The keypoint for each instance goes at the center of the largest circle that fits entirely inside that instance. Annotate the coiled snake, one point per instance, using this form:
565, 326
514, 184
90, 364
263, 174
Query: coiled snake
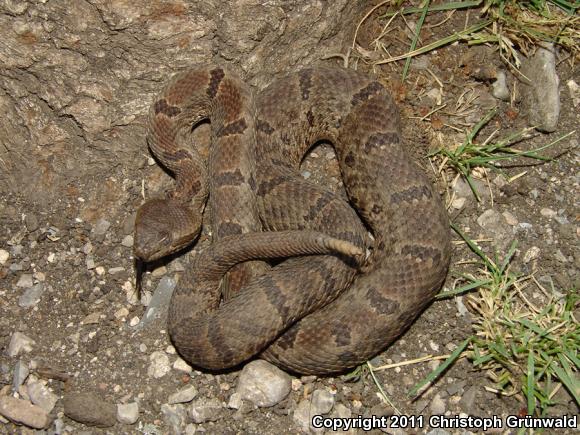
312, 314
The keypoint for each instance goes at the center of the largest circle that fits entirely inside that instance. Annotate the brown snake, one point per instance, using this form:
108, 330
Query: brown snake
309, 314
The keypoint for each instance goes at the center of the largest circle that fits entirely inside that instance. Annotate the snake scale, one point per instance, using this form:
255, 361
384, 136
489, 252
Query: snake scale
320, 313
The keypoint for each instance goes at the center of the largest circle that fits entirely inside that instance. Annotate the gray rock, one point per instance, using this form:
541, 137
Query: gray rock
31, 296
468, 400
101, 227
500, 88
19, 343
31, 222
174, 416
127, 241
235, 401
157, 308
204, 409
88, 408
159, 364
4, 256
263, 384
128, 413
302, 416
438, 406
322, 402
25, 281
541, 99
41, 396
23, 412
21, 372
184, 395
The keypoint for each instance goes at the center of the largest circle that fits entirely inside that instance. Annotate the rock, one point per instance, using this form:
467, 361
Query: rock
263, 384
4, 256
21, 372
31, 222
25, 281
89, 409
184, 395
157, 308
19, 343
574, 93
31, 296
235, 401
302, 415
510, 218
181, 366
458, 203
462, 188
127, 241
128, 413
500, 88
489, 219
101, 227
175, 416
322, 402
159, 364
548, 212
23, 412
468, 400
121, 313
541, 100
203, 410
41, 396
438, 406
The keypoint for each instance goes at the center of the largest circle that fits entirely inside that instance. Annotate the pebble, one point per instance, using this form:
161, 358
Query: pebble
4, 256
89, 409
19, 343
90, 263
23, 412
181, 366
468, 400
101, 227
322, 402
458, 202
203, 410
510, 218
127, 241
489, 218
121, 313
235, 401
21, 372
548, 212
157, 309
263, 384
174, 416
31, 296
302, 415
159, 272
438, 405
115, 270
531, 254
185, 395
159, 365
541, 99
25, 281
41, 396
574, 92
31, 222
500, 89
128, 413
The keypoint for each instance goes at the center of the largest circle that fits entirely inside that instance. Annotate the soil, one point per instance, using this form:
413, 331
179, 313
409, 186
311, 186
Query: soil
82, 324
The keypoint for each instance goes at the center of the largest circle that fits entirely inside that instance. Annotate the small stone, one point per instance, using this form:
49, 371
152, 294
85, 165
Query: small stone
159, 271
89, 409
121, 313
185, 395
458, 203
87, 248
500, 88
25, 280
510, 218
302, 415
101, 227
235, 401
322, 402
574, 92
23, 412
41, 396
157, 309
90, 263
468, 400
100, 270
128, 413
31, 296
91, 319
4, 256
127, 241
175, 416
159, 365
548, 212
531, 254
488, 218
263, 384
438, 405
115, 270
203, 410
21, 372
181, 366
31, 222
559, 255
134, 321
19, 343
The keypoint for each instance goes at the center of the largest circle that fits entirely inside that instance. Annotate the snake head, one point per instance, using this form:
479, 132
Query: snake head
162, 227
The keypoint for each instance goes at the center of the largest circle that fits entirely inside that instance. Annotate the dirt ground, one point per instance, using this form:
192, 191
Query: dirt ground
77, 250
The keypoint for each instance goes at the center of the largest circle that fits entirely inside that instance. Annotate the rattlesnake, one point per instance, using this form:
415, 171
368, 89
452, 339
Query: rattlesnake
297, 315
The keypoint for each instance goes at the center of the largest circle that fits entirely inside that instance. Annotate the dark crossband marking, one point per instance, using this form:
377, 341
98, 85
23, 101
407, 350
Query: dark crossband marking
235, 127
366, 92
161, 106
216, 77
305, 82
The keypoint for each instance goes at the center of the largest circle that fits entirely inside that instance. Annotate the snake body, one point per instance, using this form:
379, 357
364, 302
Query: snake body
312, 314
